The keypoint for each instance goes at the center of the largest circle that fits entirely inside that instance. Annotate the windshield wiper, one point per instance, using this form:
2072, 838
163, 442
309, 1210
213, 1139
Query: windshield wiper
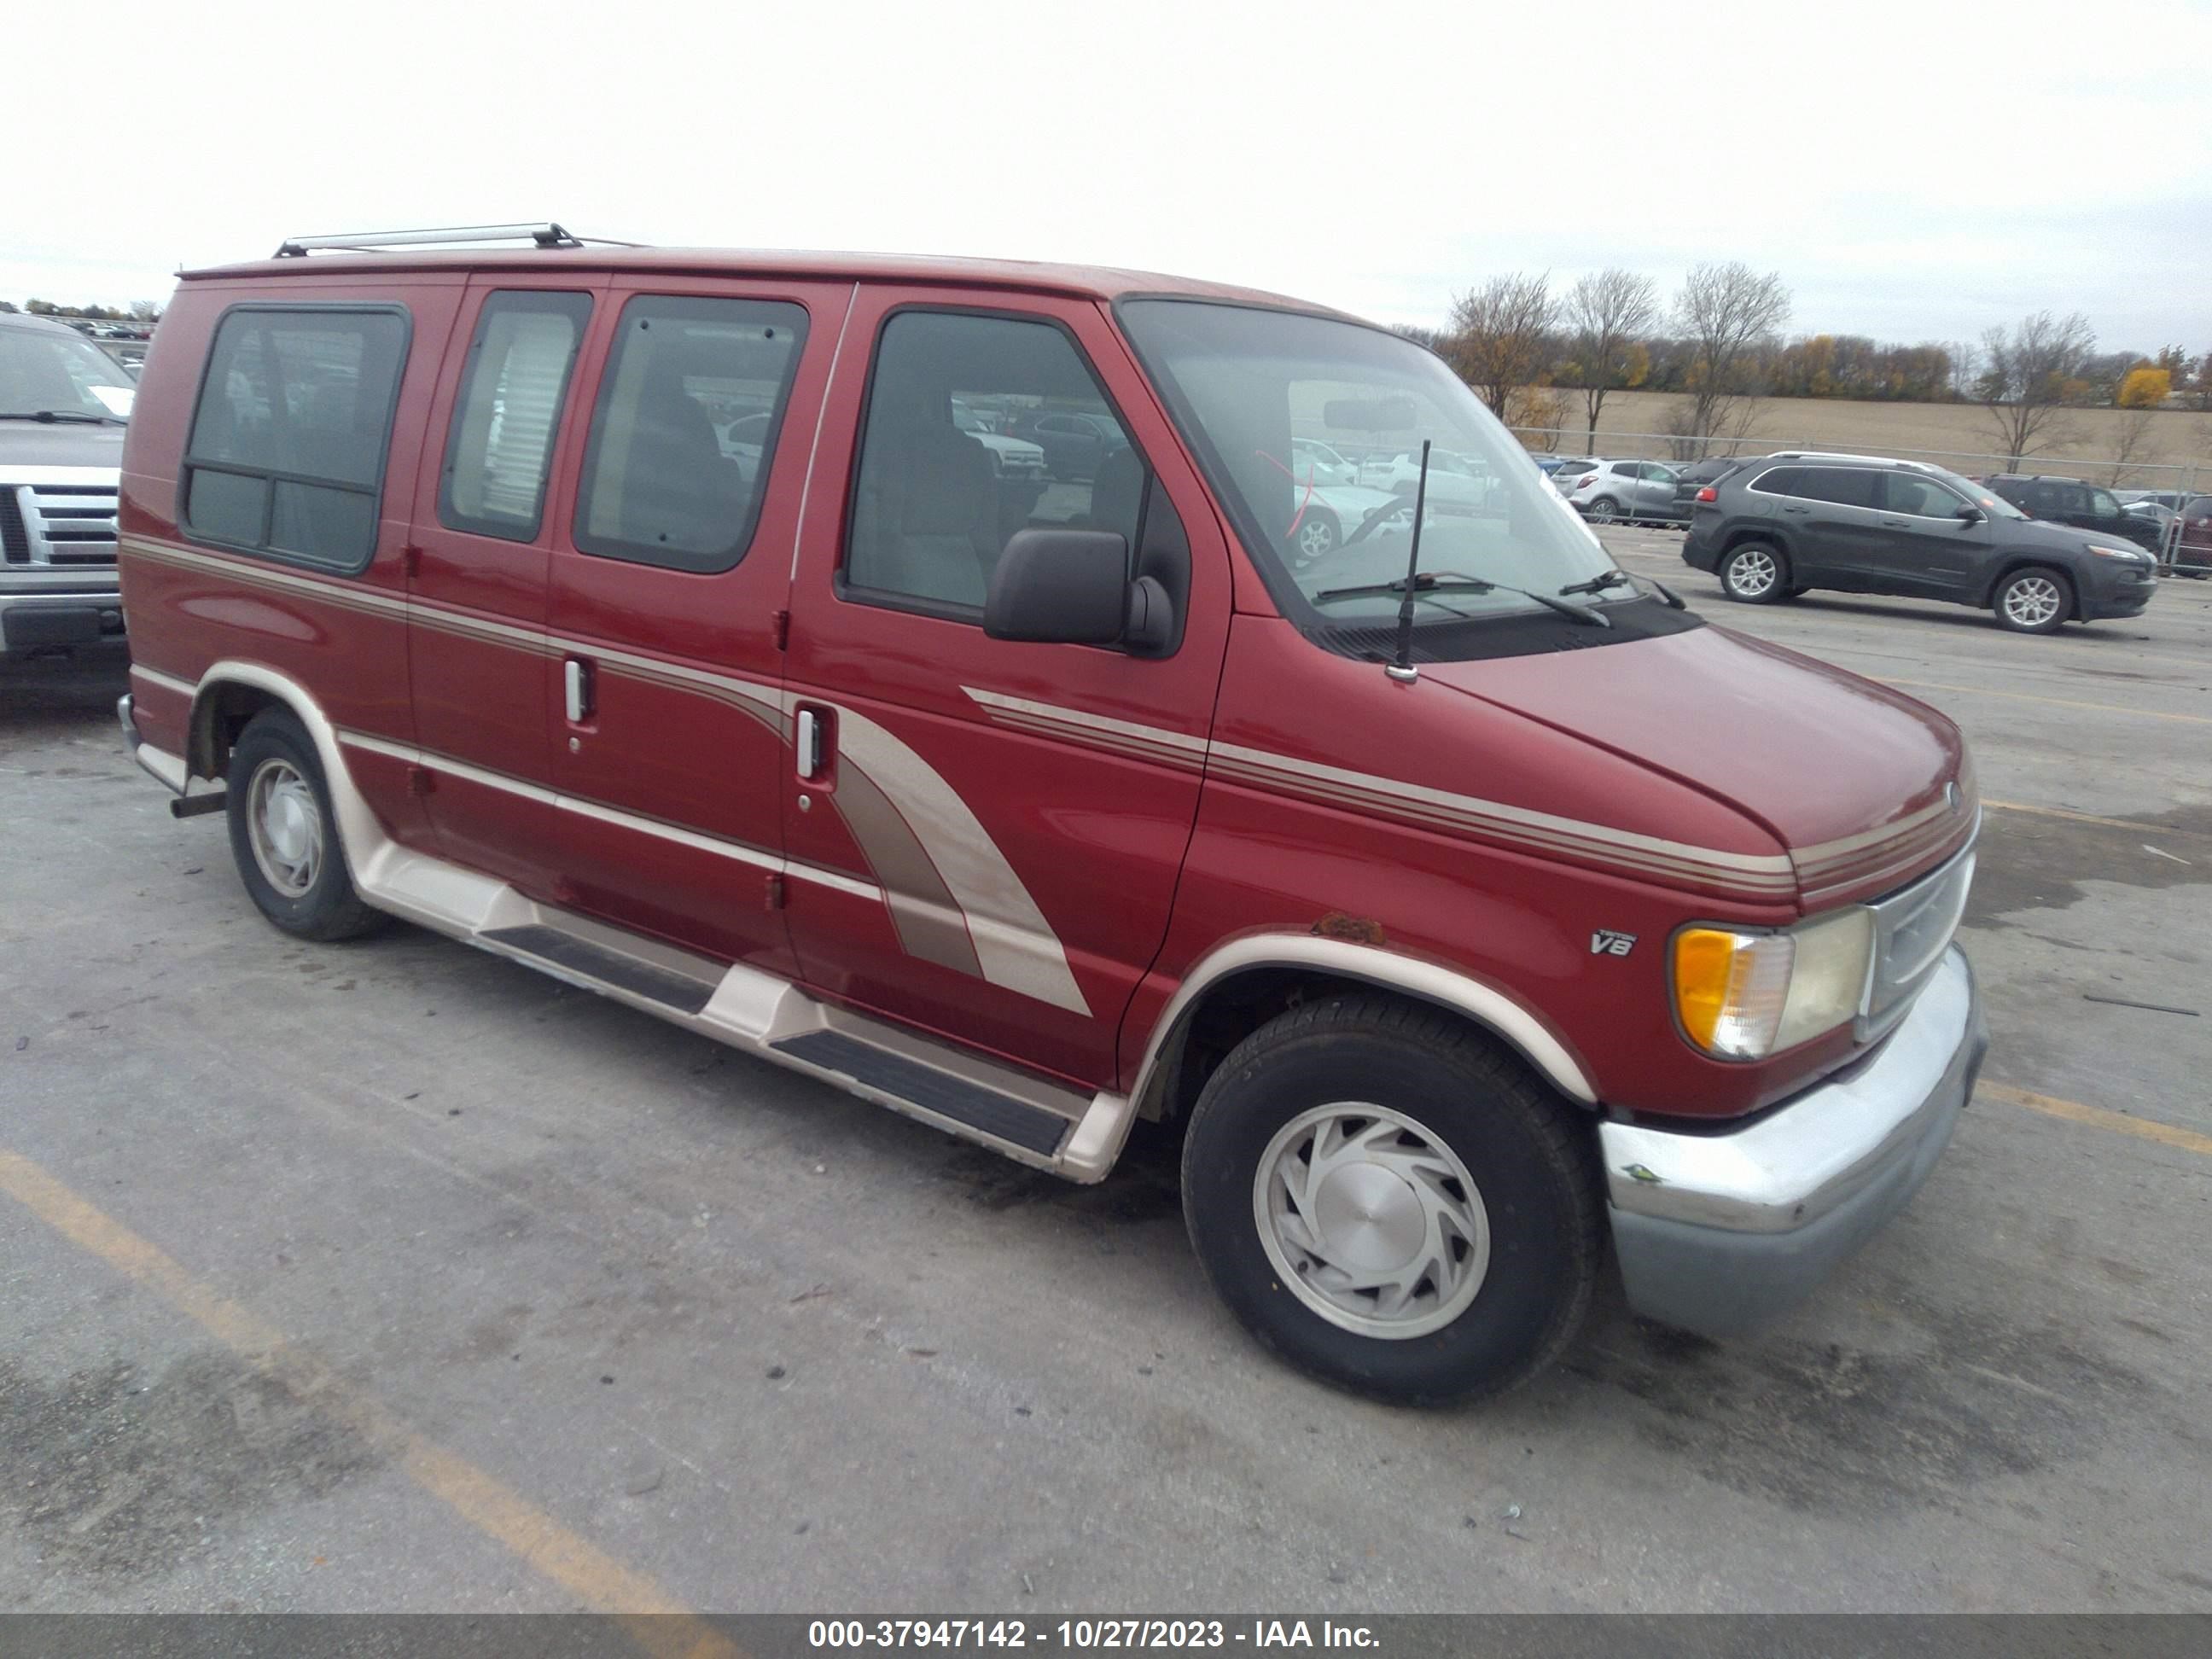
1598, 583
50, 415
1455, 581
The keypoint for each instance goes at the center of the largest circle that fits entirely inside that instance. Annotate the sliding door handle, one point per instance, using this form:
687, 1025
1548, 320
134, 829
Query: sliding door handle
576, 680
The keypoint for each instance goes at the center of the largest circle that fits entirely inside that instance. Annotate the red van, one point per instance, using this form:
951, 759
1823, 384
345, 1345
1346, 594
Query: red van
704, 628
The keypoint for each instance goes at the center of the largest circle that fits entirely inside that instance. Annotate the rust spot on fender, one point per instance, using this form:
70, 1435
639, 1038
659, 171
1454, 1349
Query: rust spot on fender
1358, 930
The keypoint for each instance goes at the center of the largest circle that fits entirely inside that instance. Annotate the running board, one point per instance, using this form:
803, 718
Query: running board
1031, 1120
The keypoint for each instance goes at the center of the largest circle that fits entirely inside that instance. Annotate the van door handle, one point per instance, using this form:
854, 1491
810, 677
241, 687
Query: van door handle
1797, 510
810, 745
1895, 523
576, 676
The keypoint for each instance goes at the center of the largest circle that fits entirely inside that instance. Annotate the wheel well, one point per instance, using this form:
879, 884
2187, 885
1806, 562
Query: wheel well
2025, 561
1239, 1004
1749, 532
218, 717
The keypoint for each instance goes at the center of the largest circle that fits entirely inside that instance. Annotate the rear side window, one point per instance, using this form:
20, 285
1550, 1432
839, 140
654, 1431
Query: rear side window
1781, 481
294, 419
689, 411
501, 441
933, 505
1844, 486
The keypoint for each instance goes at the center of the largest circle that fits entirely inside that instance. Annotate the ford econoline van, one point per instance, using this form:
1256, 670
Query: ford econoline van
661, 620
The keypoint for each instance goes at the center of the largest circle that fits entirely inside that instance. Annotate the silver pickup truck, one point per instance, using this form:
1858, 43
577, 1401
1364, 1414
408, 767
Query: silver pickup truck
64, 405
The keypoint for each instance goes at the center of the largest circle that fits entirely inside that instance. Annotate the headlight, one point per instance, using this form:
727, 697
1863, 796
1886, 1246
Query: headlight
1744, 996
2130, 553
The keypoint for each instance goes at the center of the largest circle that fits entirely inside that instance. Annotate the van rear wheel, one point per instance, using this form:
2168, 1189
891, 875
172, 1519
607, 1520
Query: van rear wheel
284, 837
1390, 1202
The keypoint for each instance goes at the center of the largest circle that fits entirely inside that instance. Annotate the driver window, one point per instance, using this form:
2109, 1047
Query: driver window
1920, 497
978, 427
2102, 505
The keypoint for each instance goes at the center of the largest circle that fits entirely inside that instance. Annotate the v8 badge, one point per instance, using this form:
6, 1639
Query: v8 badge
1607, 943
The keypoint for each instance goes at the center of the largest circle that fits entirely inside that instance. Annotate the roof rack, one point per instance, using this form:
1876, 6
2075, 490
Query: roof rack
545, 236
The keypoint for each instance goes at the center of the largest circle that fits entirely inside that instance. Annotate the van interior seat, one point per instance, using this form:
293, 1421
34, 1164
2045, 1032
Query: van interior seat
927, 513
678, 489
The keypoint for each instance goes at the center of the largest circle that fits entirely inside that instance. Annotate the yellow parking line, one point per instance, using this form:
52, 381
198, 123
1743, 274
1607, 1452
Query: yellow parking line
2072, 816
655, 1619
2055, 702
2097, 1117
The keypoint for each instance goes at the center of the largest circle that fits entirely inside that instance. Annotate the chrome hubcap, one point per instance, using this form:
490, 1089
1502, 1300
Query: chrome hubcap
1316, 538
1371, 1220
285, 826
2031, 601
1751, 573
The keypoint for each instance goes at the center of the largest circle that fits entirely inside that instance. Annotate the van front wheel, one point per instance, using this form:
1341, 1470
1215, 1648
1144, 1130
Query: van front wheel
1390, 1202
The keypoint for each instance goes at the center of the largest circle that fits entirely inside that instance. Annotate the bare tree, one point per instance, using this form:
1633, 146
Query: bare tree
1607, 314
2131, 444
1534, 414
2023, 381
145, 310
1502, 336
1730, 315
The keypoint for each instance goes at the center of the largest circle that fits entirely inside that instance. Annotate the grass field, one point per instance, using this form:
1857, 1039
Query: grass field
2175, 450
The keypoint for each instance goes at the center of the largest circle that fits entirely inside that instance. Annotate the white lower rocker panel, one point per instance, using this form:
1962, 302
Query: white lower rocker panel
745, 1008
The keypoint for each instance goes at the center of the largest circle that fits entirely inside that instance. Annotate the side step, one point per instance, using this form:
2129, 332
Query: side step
589, 961
956, 1099
1028, 1118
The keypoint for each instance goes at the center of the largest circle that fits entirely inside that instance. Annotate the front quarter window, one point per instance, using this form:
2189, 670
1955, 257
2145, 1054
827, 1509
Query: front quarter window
1246, 383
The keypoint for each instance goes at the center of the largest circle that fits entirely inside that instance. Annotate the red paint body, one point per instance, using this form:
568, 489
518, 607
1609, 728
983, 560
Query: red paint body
1140, 867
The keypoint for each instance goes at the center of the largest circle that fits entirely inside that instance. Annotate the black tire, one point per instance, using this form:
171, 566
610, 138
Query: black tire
1605, 507
1538, 1197
2033, 599
1318, 535
1756, 572
274, 752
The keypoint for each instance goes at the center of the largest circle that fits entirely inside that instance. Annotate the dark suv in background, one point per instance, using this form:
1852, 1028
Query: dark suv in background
2068, 501
1859, 524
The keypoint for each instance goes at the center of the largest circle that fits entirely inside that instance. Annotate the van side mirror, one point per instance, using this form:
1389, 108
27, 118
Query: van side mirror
1073, 588
1971, 515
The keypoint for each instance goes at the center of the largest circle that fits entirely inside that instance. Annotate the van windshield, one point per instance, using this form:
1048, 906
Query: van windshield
1247, 385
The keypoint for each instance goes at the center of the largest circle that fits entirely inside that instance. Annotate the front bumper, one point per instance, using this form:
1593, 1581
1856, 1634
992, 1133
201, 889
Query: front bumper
30, 622
1719, 1232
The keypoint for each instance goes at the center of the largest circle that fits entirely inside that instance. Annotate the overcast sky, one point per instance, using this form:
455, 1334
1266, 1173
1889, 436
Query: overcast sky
1915, 171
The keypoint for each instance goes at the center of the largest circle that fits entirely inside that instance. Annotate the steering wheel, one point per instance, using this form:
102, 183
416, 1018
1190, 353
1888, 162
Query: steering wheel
1389, 510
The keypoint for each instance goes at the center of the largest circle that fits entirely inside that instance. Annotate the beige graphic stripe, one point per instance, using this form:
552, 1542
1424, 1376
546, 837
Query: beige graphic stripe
1014, 945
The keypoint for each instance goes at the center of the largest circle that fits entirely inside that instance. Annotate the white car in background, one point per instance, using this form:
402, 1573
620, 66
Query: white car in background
1313, 459
1011, 458
1455, 482
1327, 514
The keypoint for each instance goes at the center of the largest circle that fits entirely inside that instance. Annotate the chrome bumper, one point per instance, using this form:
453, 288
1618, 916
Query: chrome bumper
1720, 1231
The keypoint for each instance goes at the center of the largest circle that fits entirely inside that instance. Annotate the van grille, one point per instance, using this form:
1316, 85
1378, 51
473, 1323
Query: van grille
1912, 928
59, 525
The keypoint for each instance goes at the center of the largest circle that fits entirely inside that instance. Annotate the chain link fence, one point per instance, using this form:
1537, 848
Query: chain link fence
2185, 537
